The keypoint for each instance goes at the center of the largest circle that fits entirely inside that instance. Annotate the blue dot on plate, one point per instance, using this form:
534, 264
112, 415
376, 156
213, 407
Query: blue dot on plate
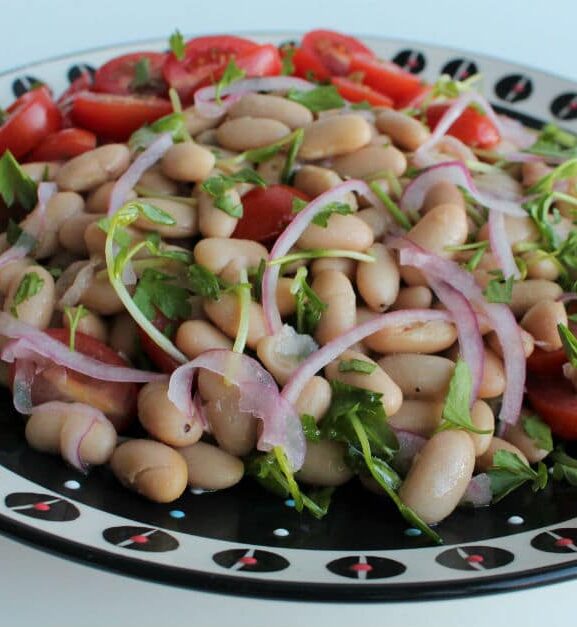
412, 532
290, 502
177, 513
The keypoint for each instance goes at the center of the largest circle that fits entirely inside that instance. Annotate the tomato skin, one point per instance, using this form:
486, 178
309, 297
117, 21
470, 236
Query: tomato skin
31, 118
266, 212
554, 398
308, 65
162, 360
203, 57
545, 363
116, 117
357, 92
473, 128
64, 144
333, 50
117, 75
116, 400
262, 61
387, 78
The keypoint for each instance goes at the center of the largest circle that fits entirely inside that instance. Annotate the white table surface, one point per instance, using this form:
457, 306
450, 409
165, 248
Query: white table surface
39, 589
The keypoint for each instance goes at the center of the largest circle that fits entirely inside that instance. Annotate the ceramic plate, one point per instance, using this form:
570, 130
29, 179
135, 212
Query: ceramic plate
244, 541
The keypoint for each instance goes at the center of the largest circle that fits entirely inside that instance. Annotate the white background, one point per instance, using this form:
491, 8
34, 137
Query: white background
36, 588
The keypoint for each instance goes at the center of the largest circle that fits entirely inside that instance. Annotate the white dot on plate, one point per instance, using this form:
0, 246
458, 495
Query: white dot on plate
71, 484
281, 533
516, 520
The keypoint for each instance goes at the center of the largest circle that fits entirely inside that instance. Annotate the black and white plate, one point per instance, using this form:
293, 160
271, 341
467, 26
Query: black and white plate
245, 541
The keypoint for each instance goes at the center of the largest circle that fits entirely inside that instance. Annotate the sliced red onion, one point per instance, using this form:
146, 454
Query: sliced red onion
259, 396
204, 98
409, 445
457, 173
470, 339
37, 218
500, 317
34, 345
330, 351
521, 157
138, 167
80, 421
24, 373
448, 149
290, 235
567, 297
84, 271
515, 132
500, 246
478, 493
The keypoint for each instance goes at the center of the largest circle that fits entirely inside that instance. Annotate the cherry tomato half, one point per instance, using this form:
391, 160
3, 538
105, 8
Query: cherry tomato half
116, 400
118, 76
555, 400
387, 78
30, 119
203, 57
162, 360
116, 117
332, 50
545, 363
357, 92
473, 128
64, 144
266, 212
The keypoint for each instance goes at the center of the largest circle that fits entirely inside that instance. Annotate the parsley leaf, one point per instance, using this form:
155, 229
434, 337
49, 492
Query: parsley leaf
15, 184
203, 282
177, 45
569, 344
309, 307
255, 277
400, 218
232, 73
508, 472
498, 291
546, 183
311, 431
29, 286
262, 154
16, 234
322, 218
155, 291
320, 98
296, 143
554, 142
219, 186
173, 123
538, 431
142, 77
288, 67
456, 413
565, 466
364, 105
357, 365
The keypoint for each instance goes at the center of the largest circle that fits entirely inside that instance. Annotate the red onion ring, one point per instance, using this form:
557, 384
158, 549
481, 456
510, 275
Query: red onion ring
259, 396
291, 234
24, 373
203, 98
478, 493
330, 351
500, 317
457, 173
130, 178
410, 444
500, 246
80, 283
31, 344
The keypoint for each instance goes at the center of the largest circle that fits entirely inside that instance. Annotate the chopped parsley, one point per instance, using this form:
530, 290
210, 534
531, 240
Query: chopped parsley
538, 431
232, 73
156, 291
220, 185
321, 98
177, 45
15, 184
309, 307
359, 366
499, 291
509, 472
28, 287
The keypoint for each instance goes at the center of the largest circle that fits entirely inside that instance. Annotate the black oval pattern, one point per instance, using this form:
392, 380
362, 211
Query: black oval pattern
250, 560
76, 71
146, 539
43, 506
460, 69
410, 60
564, 106
23, 84
477, 558
366, 567
514, 88
563, 540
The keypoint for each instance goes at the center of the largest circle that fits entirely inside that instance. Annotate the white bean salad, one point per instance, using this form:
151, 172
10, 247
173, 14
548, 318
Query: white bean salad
301, 264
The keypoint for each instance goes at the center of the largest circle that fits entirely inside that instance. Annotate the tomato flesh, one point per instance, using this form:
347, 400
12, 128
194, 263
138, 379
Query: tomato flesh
116, 117
161, 359
64, 144
56, 383
357, 92
119, 74
266, 212
333, 50
545, 363
555, 400
473, 128
31, 118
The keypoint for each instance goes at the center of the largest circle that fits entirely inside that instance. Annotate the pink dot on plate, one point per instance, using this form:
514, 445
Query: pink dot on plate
365, 568
475, 559
564, 542
248, 561
139, 539
42, 507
